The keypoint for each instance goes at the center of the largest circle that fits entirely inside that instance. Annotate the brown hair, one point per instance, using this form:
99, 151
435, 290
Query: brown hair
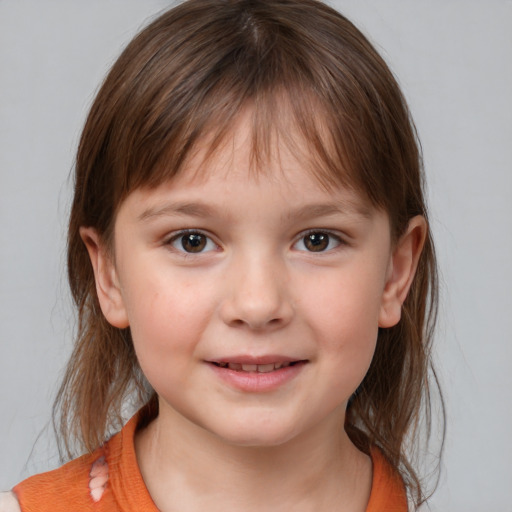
188, 75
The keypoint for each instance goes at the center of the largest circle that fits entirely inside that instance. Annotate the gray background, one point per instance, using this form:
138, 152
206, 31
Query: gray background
454, 61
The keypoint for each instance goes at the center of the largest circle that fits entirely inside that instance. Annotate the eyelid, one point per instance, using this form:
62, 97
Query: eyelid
176, 235
340, 240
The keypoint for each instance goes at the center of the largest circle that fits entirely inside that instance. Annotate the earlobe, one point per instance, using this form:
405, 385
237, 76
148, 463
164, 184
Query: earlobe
401, 271
107, 285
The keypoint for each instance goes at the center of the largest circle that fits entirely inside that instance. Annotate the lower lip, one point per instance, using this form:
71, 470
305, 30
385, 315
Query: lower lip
255, 382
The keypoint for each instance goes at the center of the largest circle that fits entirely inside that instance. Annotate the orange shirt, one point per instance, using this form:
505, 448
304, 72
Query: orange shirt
109, 480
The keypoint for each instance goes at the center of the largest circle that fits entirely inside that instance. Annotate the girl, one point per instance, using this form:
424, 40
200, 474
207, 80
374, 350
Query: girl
251, 261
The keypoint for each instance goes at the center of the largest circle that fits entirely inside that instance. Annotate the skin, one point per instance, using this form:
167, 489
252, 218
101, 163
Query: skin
255, 288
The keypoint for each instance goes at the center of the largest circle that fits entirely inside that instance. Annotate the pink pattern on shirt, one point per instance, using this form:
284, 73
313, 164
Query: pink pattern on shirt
98, 478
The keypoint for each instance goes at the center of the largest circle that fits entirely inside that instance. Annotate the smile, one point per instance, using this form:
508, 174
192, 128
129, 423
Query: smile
257, 375
259, 368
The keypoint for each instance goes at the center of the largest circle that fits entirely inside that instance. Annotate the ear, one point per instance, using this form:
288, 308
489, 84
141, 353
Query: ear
401, 270
107, 284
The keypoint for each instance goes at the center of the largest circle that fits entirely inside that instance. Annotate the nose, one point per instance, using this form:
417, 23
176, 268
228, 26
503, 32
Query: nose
258, 295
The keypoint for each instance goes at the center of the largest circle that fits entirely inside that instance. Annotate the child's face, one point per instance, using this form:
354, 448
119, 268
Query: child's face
228, 269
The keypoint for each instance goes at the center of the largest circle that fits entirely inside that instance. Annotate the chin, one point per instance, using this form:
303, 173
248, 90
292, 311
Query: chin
257, 435
257, 441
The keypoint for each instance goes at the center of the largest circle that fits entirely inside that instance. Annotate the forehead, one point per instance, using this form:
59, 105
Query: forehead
283, 176
256, 146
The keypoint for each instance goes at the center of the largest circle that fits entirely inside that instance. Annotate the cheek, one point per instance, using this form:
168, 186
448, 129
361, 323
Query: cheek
166, 319
348, 302
344, 312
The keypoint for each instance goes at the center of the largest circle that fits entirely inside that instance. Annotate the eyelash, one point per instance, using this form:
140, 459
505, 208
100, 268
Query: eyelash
331, 237
180, 236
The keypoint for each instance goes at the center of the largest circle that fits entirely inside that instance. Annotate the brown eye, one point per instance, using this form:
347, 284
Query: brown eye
192, 242
316, 242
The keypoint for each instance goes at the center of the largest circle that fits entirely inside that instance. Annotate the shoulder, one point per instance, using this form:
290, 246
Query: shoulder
388, 490
85, 483
65, 486
8, 502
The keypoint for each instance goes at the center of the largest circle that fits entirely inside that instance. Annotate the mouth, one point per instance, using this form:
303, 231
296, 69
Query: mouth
263, 374
256, 368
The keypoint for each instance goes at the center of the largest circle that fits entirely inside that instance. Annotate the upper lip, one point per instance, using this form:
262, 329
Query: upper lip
245, 359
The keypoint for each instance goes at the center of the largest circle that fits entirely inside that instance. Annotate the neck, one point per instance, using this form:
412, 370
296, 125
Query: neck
189, 469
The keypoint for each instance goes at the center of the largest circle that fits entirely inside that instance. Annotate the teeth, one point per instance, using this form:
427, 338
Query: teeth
265, 368
260, 368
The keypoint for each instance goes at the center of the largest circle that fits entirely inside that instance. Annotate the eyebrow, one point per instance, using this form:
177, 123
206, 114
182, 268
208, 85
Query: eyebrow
327, 209
177, 209
201, 210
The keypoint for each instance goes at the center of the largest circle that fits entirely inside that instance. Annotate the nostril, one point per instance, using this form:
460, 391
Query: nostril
257, 311
255, 323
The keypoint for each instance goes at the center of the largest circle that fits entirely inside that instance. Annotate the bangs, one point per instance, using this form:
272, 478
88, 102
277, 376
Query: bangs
187, 79
278, 120
200, 111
